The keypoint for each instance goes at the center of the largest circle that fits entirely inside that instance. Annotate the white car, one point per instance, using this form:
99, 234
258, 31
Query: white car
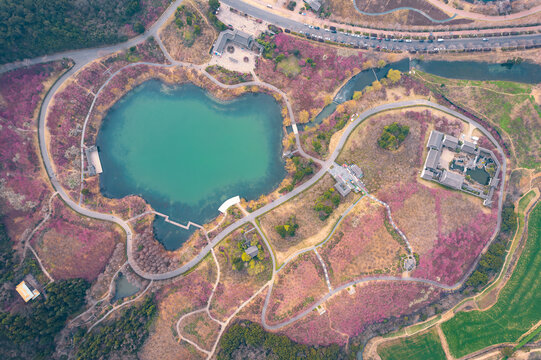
440, 40
408, 40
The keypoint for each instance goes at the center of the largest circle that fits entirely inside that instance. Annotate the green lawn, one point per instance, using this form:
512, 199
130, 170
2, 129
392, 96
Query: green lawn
525, 201
517, 309
289, 66
425, 346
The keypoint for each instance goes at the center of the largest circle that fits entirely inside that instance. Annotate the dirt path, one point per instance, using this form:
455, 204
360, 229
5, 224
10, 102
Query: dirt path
444, 344
475, 16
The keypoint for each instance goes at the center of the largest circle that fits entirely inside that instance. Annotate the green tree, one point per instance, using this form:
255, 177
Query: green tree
214, 5
138, 27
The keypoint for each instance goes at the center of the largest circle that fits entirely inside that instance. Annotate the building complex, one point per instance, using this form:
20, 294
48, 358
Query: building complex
461, 165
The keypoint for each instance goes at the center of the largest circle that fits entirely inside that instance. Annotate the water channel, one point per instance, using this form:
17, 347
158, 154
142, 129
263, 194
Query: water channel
186, 152
524, 72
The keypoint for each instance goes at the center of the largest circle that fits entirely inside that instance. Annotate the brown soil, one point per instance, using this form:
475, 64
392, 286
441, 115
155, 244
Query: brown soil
296, 287
179, 297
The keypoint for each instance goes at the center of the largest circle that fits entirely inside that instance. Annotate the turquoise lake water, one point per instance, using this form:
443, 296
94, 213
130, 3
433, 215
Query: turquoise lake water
185, 152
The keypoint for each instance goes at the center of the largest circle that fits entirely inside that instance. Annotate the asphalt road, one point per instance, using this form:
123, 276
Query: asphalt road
82, 57
363, 116
373, 42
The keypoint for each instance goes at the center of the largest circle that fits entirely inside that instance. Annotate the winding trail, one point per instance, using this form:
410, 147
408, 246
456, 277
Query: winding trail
456, 13
403, 8
83, 57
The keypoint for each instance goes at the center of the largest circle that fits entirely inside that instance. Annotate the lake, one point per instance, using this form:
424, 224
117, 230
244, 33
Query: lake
186, 152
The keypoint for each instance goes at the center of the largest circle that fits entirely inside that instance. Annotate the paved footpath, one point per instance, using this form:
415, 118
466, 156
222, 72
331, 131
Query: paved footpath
82, 57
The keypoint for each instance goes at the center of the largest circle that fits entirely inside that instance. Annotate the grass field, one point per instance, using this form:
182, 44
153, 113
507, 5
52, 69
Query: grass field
525, 201
289, 66
517, 309
425, 346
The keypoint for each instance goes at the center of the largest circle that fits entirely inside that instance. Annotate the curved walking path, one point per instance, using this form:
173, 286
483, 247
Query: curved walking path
476, 16
457, 12
402, 8
325, 165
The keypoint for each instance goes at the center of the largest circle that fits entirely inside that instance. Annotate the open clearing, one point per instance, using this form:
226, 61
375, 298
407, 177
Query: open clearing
517, 309
424, 346
311, 229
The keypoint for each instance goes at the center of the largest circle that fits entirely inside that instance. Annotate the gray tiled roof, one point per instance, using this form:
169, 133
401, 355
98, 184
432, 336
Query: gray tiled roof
252, 251
314, 4
451, 179
468, 147
432, 159
235, 36
342, 188
427, 174
450, 142
356, 170
435, 140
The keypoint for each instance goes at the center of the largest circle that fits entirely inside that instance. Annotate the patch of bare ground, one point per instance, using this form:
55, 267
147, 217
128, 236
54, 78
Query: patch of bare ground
361, 245
72, 246
239, 280
312, 229
177, 298
417, 219
298, 285
253, 310
200, 329
185, 43
344, 11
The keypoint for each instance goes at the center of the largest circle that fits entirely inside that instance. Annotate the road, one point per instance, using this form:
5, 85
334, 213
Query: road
343, 139
84, 56
373, 42
476, 16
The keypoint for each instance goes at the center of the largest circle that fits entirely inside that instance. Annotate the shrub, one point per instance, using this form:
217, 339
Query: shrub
289, 228
392, 136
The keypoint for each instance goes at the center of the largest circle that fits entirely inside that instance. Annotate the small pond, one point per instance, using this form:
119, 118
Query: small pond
480, 175
186, 152
123, 288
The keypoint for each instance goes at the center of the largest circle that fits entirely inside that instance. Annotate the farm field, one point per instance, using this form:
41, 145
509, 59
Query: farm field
523, 203
426, 346
517, 309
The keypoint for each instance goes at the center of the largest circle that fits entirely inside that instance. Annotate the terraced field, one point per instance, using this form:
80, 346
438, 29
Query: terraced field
517, 309
425, 346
